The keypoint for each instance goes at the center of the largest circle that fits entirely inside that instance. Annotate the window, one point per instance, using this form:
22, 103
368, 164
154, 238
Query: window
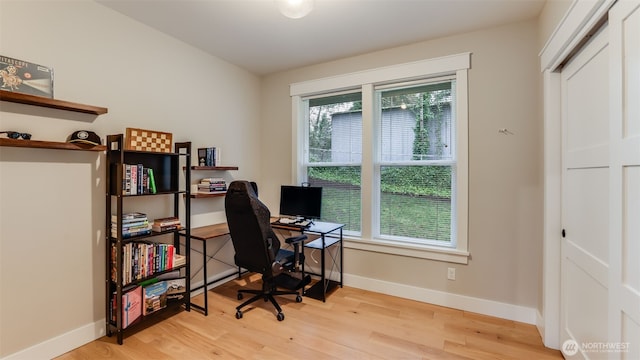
334, 153
414, 171
389, 148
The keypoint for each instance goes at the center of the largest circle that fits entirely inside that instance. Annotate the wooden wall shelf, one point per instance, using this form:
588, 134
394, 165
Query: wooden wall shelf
49, 145
222, 168
203, 195
51, 103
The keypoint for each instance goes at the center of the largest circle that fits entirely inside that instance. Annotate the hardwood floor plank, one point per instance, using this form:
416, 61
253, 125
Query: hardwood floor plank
351, 324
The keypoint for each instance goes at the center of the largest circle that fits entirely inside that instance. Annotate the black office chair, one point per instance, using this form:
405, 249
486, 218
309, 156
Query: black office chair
258, 248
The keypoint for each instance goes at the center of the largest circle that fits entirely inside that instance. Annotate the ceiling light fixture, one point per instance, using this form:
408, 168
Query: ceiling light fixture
295, 9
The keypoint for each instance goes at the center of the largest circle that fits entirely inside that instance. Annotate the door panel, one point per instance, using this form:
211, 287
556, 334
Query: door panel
587, 223
585, 209
624, 297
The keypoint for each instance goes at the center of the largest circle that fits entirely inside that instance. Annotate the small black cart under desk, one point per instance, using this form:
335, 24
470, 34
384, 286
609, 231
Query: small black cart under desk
329, 234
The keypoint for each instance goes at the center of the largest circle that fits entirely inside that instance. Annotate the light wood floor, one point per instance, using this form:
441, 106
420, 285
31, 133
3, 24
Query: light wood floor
352, 324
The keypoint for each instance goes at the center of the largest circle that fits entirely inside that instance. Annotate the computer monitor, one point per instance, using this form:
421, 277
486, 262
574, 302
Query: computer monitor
301, 201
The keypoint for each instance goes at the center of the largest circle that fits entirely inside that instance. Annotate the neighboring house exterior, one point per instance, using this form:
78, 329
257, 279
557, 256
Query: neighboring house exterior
398, 131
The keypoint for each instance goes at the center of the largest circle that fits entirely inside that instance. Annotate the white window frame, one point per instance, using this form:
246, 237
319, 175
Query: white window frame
366, 81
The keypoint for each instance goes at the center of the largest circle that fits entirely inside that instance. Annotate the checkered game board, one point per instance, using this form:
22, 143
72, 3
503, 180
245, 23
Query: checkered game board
148, 140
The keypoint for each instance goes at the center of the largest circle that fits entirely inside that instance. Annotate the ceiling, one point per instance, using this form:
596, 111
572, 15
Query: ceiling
254, 35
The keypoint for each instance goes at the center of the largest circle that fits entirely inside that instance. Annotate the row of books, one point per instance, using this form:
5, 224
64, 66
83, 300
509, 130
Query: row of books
212, 186
137, 224
208, 156
141, 260
141, 300
137, 180
133, 224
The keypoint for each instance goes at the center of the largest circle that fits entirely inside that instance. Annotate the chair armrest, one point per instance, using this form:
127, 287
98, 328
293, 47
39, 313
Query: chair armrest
295, 239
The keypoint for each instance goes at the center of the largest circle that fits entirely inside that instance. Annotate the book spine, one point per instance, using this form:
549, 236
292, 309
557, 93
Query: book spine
140, 179
152, 182
126, 189
145, 181
134, 179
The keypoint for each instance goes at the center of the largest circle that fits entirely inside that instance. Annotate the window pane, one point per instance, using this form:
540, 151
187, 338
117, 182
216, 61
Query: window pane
416, 123
340, 194
415, 202
335, 129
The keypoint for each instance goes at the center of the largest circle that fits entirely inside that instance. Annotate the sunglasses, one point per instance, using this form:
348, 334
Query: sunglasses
16, 135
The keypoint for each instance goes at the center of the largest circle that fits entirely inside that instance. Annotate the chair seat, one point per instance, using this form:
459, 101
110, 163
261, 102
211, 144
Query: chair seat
287, 258
291, 282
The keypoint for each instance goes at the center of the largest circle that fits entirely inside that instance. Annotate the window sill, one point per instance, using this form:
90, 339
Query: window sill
412, 250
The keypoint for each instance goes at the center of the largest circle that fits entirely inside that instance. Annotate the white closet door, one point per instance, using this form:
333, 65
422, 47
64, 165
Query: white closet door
585, 203
624, 280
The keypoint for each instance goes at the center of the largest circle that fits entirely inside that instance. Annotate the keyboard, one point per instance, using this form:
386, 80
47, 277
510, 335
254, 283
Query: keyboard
294, 222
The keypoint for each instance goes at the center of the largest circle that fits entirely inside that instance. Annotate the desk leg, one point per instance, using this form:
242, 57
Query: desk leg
341, 257
205, 308
204, 277
304, 259
324, 281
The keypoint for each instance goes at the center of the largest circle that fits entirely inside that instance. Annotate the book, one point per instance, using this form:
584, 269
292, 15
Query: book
152, 181
213, 180
129, 216
172, 220
126, 181
126, 234
179, 260
211, 156
176, 289
161, 228
134, 180
155, 297
131, 225
141, 187
131, 306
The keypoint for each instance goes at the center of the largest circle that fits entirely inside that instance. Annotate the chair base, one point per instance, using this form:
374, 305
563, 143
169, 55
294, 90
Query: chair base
267, 293
270, 297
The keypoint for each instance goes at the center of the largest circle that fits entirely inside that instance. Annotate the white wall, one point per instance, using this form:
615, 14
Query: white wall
505, 204
52, 201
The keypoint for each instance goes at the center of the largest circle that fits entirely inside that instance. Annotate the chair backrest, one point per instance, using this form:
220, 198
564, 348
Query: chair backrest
249, 221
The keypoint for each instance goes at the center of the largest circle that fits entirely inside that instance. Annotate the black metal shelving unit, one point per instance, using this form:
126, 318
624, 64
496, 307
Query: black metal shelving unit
167, 173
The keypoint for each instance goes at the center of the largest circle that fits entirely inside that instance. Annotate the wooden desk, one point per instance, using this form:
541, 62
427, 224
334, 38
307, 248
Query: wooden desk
204, 234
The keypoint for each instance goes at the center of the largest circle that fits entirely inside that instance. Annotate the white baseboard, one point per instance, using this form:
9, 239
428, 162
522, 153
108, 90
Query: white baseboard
461, 302
62, 343
540, 323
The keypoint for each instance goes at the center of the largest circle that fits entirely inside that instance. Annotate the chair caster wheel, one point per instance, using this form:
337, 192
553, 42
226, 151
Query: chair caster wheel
238, 314
240, 296
280, 316
298, 299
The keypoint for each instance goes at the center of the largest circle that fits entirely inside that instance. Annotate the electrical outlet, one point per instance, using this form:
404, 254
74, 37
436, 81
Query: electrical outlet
451, 273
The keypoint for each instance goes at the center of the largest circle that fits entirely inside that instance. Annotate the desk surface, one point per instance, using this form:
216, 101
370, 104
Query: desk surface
210, 231
318, 227
215, 230
323, 227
